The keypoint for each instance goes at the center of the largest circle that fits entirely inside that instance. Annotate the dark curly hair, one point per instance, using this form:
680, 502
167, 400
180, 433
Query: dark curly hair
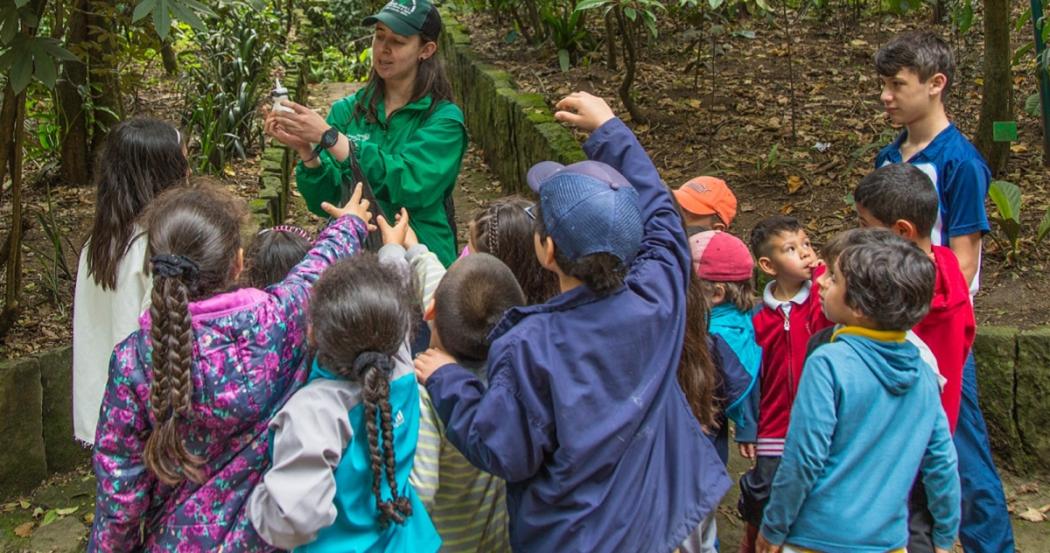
361, 312
503, 229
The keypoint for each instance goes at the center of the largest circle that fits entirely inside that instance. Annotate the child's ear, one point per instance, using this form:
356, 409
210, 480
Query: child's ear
766, 265
937, 83
905, 229
718, 225
545, 250
718, 294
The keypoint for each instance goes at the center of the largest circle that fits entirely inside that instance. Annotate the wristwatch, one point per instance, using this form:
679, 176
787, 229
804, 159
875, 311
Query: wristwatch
328, 139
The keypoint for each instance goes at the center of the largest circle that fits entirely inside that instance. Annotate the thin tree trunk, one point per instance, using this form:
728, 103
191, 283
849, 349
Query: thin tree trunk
630, 58
167, 56
13, 284
533, 12
72, 117
997, 91
109, 106
610, 41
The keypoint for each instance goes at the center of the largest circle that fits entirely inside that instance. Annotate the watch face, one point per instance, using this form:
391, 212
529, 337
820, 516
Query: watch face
329, 138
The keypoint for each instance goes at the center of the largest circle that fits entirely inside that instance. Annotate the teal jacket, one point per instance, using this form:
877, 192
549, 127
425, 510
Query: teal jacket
411, 160
735, 327
866, 420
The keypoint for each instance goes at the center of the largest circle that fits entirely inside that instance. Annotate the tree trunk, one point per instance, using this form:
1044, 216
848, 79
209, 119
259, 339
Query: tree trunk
109, 106
630, 58
167, 55
72, 117
997, 91
533, 12
610, 41
13, 284
939, 12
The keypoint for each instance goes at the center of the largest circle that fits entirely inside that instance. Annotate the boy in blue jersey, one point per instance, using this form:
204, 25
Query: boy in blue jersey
917, 71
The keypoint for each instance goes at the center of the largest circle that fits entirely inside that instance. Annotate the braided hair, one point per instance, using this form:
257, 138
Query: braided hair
504, 229
194, 237
360, 314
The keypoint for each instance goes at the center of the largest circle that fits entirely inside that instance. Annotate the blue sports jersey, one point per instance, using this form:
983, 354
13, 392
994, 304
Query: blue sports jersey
961, 177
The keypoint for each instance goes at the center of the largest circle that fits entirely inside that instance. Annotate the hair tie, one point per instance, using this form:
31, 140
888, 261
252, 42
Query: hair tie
379, 360
175, 266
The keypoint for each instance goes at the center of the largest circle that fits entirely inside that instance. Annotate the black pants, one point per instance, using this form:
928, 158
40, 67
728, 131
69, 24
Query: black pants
755, 488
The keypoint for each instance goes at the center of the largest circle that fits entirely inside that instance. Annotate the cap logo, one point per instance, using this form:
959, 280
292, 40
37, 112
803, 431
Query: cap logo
699, 187
401, 7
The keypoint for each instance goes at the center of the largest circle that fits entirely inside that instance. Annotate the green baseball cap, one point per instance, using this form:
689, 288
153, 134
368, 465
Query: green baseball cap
408, 18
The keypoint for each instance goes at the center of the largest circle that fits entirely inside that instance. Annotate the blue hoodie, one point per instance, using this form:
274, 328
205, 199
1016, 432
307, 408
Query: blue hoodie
582, 414
735, 327
867, 419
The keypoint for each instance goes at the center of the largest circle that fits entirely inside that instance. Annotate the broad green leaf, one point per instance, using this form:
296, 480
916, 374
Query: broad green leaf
1032, 105
1044, 228
186, 15
589, 4
162, 19
21, 72
715, 4
21, 3
1020, 52
144, 8
54, 48
45, 70
563, 59
201, 9
8, 26
964, 19
764, 5
1025, 17
1007, 199
630, 13
49, 517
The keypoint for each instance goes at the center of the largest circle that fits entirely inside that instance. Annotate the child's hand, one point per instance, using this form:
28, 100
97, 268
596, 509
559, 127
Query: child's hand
410, 237
762, 545
747, 451
354, 206
583, 110
428, 362
394, 234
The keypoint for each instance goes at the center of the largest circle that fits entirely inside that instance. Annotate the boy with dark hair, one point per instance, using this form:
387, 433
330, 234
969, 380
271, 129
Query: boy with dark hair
582, 413
849, 462
901, 198
789, 315
917, 70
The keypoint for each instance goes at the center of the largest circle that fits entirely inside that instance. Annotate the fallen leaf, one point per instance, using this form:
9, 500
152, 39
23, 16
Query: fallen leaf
23, 504
858, 43
694, 103
68, 511
787, 209
1044, 509
89, 518
24, 530
794, 183
1018, 148
1032, 515
50, 517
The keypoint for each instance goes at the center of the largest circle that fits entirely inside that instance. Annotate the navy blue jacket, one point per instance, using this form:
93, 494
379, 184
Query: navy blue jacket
583, 415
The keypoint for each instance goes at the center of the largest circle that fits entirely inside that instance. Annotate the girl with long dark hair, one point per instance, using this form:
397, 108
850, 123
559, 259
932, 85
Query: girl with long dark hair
140, 159
182, 439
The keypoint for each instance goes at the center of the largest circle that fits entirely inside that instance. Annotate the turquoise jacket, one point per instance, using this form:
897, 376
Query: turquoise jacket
866, 420
735, 327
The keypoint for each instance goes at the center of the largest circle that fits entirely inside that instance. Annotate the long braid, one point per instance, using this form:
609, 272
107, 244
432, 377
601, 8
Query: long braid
369, 396
172, 388
376, 394
401, 506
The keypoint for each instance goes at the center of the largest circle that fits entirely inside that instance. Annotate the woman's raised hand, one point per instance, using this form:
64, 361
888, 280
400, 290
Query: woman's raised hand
273, 128
356, 205
302, 122
584, 111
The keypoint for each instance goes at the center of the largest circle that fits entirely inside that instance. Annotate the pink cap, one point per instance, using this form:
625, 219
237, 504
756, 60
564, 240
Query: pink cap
720, 257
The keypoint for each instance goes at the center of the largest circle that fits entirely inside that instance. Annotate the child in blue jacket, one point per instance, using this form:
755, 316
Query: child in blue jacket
866, 418
582, 414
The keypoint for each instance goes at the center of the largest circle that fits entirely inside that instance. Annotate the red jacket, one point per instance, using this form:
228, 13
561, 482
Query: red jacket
949, 328
783, 342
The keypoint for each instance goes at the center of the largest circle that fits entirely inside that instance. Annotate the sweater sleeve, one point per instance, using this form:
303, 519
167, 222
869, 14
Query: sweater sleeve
505, 430
324, 182
294, 500
940, 477
428, 270
124, 483
426, 468
813, 421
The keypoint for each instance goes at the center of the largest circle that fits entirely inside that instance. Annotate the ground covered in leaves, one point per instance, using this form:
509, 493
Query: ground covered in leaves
788, 113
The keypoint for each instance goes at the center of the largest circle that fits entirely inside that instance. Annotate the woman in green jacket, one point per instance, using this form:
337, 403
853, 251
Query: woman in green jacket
402, 127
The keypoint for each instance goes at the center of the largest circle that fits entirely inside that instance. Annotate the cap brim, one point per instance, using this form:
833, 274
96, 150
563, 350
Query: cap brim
544, 170
390, 20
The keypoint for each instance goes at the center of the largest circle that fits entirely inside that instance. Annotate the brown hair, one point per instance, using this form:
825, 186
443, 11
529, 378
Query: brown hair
140, 158
431, 80
741, 293
194, 237
360, 315
504, 229
697, 374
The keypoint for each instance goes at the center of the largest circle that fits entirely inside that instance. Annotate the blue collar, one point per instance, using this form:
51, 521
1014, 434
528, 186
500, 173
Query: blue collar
930, 151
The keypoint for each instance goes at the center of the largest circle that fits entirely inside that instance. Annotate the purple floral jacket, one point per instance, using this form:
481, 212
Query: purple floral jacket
249, 357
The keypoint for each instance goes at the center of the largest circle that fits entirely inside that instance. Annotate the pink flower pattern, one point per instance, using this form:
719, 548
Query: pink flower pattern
249, 357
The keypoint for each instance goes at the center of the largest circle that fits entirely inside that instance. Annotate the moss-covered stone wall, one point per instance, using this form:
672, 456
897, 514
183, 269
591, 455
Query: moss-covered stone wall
514, 129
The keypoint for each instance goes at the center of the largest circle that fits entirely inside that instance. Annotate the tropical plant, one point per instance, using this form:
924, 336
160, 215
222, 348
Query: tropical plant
1006, 196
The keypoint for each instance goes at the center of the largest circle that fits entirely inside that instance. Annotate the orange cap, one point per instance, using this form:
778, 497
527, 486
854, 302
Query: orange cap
707, 196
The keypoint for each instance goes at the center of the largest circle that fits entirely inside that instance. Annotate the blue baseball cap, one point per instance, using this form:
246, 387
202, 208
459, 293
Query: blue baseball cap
588, 207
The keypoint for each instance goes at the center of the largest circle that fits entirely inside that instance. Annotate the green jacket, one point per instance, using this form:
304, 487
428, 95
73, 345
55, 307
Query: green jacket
411, 161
